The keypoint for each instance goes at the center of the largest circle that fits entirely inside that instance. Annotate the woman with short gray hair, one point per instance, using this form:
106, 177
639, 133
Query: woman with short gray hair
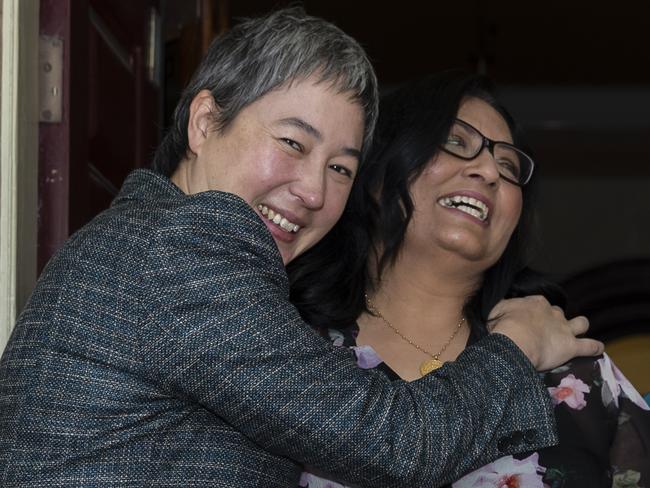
260, 55
159, 347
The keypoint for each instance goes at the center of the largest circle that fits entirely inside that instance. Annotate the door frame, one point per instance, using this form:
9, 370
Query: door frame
18, 158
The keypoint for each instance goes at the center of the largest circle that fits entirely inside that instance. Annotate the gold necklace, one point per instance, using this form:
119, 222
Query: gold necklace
428, 365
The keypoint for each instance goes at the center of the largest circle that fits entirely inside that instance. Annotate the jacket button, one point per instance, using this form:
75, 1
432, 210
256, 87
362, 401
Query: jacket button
503, 444
530, 436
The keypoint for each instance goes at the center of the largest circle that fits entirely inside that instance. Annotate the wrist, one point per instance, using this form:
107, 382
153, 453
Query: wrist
522, 341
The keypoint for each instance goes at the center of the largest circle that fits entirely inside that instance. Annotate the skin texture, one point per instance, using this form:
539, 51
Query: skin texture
438, 232
295, 151
442, 261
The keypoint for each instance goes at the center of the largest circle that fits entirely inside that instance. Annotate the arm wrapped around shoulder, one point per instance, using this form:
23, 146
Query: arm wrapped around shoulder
221, 332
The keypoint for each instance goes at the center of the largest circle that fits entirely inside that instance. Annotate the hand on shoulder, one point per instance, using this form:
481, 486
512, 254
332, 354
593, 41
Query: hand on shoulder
542, 331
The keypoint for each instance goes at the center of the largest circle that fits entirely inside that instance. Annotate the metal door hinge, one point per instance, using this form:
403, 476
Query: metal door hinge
50, 79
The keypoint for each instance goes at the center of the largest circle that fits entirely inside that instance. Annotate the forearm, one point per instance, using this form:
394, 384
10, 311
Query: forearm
296, 396
430, 432
226, 337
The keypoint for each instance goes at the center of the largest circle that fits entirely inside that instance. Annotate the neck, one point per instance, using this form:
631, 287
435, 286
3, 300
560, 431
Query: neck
189, 178
425, 305
412, 290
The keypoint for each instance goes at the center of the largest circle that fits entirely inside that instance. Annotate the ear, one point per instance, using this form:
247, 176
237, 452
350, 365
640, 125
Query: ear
202, 111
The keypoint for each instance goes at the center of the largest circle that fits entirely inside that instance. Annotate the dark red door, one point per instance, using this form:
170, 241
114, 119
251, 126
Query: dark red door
111, 109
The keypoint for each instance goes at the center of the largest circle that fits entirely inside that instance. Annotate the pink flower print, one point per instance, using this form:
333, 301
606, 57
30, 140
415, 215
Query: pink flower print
615, 383
336, 337
626, 479
570, 391
308, 480
506, 472
367, 358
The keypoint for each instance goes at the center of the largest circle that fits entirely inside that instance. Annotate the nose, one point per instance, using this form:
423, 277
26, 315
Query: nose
309, 185
484, 166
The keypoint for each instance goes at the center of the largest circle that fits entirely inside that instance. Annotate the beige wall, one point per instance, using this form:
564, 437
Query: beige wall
0, 74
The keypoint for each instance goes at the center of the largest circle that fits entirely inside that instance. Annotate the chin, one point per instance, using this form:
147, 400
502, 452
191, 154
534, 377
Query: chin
464, 244
287, 257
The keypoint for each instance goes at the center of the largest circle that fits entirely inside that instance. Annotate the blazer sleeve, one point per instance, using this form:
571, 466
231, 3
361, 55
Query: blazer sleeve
220, 331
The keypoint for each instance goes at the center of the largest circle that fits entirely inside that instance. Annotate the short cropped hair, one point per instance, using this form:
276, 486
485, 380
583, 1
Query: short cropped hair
262, 54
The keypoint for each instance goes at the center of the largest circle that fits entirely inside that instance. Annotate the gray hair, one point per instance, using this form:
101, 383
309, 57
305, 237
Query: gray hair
262, 54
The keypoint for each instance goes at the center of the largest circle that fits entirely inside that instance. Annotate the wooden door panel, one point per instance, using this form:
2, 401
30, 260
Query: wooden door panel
111, 112
112, 119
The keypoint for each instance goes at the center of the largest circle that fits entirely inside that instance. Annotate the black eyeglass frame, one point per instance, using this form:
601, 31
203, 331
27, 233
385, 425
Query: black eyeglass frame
489, 144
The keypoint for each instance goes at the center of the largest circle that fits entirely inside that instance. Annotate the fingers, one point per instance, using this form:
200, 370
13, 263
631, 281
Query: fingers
579, 325
585, 347
542, 331
507, 305
589, 347
557, 310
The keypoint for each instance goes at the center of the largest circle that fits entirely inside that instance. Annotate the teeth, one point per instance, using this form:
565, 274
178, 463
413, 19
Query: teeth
469, 205
278, 219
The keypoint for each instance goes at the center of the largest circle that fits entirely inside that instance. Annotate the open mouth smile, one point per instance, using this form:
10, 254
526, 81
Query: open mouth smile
278, 219
469, 205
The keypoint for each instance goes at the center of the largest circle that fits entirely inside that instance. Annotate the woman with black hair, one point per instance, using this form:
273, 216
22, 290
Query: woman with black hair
436, 234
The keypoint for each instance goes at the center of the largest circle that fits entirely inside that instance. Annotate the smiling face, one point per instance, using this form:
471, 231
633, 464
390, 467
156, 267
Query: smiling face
464, 208
291, 155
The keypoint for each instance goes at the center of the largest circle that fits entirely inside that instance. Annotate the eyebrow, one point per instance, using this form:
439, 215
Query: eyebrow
301, 124
313, 131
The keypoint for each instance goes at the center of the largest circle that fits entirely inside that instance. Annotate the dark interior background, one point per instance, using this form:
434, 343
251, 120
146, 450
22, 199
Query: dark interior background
575, 73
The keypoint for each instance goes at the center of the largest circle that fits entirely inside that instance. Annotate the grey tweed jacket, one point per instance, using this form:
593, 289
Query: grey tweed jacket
159, 349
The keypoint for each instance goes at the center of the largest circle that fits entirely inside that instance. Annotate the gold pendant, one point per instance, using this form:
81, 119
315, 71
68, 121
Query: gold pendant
429, 365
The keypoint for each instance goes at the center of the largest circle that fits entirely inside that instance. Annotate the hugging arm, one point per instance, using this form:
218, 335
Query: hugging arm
221, 332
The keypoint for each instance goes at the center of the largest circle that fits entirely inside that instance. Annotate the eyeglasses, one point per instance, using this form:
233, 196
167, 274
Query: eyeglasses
466, 142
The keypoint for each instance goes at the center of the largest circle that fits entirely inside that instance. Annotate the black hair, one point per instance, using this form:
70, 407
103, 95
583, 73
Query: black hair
328, 282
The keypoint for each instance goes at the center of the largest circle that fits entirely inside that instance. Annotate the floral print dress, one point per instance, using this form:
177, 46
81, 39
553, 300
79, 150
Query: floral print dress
603, 426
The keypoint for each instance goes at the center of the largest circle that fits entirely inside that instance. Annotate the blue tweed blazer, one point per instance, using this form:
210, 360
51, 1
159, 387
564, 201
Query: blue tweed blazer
159, 349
